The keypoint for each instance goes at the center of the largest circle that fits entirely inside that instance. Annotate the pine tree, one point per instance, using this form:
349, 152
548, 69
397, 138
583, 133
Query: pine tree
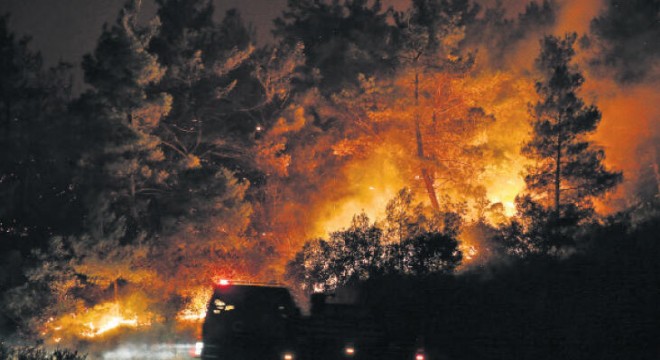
206, 63
186, 24
568, 171
131, 171
225, 94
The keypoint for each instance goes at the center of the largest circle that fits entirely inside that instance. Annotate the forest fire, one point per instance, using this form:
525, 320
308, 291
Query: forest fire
108, 324
101, 320
372, 182
425, 141
196, 306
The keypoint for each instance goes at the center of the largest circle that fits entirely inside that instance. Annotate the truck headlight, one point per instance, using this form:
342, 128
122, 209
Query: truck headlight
198, 348
349, 351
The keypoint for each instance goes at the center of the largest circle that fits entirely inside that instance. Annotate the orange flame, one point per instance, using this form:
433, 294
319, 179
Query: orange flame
195, 309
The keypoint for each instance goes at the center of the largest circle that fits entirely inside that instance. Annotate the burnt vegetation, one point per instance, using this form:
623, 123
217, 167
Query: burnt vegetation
192, 153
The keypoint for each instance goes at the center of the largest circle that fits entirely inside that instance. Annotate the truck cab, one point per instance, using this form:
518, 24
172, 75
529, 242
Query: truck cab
246, 321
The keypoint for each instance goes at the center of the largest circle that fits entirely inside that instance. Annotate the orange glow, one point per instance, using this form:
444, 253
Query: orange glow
107, 324
96, 322
575, 16
195, 308
378, 172
627, 131
506, 96
371, 183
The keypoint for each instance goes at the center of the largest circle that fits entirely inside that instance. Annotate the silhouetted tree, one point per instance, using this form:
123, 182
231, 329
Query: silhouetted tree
361, 252
568, 170
403, 218
129, 162
350, 255
311, 268
430, 253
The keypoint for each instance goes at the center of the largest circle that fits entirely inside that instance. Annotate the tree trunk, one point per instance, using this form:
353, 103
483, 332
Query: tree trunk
133, 194
116, 290
558, 178
426, 174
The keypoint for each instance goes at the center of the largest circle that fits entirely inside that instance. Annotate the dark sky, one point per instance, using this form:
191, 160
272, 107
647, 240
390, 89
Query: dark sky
66, 29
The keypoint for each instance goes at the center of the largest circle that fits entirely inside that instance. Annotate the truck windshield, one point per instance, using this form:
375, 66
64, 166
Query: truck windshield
246, 310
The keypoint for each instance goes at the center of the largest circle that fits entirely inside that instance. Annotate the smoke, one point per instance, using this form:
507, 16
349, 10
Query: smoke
630, 133
623, 74
620, 61
625, 36
576, 16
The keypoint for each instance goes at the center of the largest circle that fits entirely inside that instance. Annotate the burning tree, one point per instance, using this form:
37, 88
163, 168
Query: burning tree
431, 123
425, 109
430, 35
419, 120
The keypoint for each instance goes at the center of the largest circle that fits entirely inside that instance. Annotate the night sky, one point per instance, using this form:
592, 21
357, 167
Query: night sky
67, 29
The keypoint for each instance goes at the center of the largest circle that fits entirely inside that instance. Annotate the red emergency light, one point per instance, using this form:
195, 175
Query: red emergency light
223, 282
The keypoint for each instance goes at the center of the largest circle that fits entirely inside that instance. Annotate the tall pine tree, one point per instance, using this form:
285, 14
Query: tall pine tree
568, 170
129, 161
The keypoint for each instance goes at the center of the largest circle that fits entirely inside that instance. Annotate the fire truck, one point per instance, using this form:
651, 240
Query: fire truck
249, 321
